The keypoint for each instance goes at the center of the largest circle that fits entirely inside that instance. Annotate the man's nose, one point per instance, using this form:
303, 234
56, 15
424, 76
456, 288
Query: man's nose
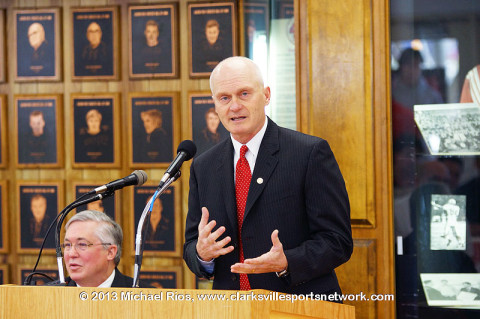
235, 105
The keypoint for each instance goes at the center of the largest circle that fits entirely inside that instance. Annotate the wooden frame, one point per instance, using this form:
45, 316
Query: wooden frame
212, 36
255, 20
4, 275
37, 45
3, 132
109, 206
95, 130
95, 43
4, 236
154, 143
152, 41
168, 228
3, 36
35, 196
203, 121
37, 145
23, 271
168, 277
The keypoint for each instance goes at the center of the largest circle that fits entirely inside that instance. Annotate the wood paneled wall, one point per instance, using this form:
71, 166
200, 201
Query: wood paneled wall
66, 87
343, 96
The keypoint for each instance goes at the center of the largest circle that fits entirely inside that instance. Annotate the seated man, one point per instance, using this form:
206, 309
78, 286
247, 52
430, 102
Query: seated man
92, 249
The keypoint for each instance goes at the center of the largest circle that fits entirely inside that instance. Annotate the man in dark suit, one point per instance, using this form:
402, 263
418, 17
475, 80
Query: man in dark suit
92, 249
295, 229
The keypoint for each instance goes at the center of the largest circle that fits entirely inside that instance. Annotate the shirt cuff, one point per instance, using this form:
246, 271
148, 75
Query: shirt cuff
207, 266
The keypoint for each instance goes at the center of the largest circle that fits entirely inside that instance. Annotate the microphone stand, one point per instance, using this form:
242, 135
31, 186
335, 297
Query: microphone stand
141, 223
64, 214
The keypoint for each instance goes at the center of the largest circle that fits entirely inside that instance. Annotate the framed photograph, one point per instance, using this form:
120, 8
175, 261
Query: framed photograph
3, 218
448, 224
449, 129
166, 277
108, 205
38, 205
3, 36
207, 130
95, 43
255, 27
24, 271
4, 275
211, 36
95, 130
3, 132
153, 41
451, 289
151, 121
162, 235
37, 45
37, 128
282, 9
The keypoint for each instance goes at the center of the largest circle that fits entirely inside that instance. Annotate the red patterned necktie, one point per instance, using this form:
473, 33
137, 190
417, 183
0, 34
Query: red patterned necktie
243, 175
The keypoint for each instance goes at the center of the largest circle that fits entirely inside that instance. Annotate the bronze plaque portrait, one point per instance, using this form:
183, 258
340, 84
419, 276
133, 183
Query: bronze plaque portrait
3, 218
207, 130
153, 41
95, 120
37, 45
152, 127
24, 271
3, 132
165, 277
107, 205
255, 27
37, 128
162, 227
38, 206
95, 43
212, 35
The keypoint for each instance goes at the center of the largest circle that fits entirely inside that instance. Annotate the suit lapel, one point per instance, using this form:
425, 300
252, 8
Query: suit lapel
226, 182
264, 165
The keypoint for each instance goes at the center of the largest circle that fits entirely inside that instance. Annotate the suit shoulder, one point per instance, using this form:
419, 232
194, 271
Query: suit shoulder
298, 138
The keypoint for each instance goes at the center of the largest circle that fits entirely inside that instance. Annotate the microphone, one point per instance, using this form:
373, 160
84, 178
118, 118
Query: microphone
137, 178
185, 151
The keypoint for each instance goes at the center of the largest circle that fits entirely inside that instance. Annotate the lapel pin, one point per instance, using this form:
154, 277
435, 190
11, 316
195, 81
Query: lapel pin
259, 180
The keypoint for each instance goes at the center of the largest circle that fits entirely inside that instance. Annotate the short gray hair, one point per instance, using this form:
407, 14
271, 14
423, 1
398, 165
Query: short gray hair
108, 231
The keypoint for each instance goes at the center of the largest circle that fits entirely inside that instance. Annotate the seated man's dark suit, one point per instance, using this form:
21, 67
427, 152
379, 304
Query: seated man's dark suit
297, 188
120, 281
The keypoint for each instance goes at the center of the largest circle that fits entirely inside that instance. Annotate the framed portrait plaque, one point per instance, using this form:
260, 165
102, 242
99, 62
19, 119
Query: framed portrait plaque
255, 26
163, 227
153, 41
3, 218
24, 271
37, 128
37, 45
107, 205
38, 206
95, 43
4, 275
95, 132
151, 121
3, 132
207, 130
211, 36
3, 70
163, 277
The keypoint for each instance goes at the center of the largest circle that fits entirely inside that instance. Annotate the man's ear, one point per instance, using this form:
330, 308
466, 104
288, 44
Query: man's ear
111, 252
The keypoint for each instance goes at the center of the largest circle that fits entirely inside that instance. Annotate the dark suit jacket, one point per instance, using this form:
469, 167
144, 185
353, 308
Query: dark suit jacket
120, 281
296, 188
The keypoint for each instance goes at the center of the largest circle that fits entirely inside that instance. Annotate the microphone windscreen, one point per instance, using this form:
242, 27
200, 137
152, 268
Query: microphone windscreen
188, 147
141, 176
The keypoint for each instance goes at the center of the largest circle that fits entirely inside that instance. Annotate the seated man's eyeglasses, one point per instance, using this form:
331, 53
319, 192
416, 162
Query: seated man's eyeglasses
80, 246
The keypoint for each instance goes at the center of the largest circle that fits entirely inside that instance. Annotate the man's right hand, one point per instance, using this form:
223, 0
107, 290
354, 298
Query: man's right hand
208, 247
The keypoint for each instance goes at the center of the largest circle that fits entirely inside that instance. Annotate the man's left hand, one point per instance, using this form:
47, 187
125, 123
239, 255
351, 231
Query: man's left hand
273, 261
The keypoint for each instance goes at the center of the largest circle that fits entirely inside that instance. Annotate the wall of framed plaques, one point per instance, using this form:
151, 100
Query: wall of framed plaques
86, 89
436, 162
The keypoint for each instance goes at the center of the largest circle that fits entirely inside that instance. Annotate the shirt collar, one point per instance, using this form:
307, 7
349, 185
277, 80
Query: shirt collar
254, 144
107, 283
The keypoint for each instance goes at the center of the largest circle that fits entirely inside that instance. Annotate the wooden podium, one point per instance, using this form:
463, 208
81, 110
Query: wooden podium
73, 302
